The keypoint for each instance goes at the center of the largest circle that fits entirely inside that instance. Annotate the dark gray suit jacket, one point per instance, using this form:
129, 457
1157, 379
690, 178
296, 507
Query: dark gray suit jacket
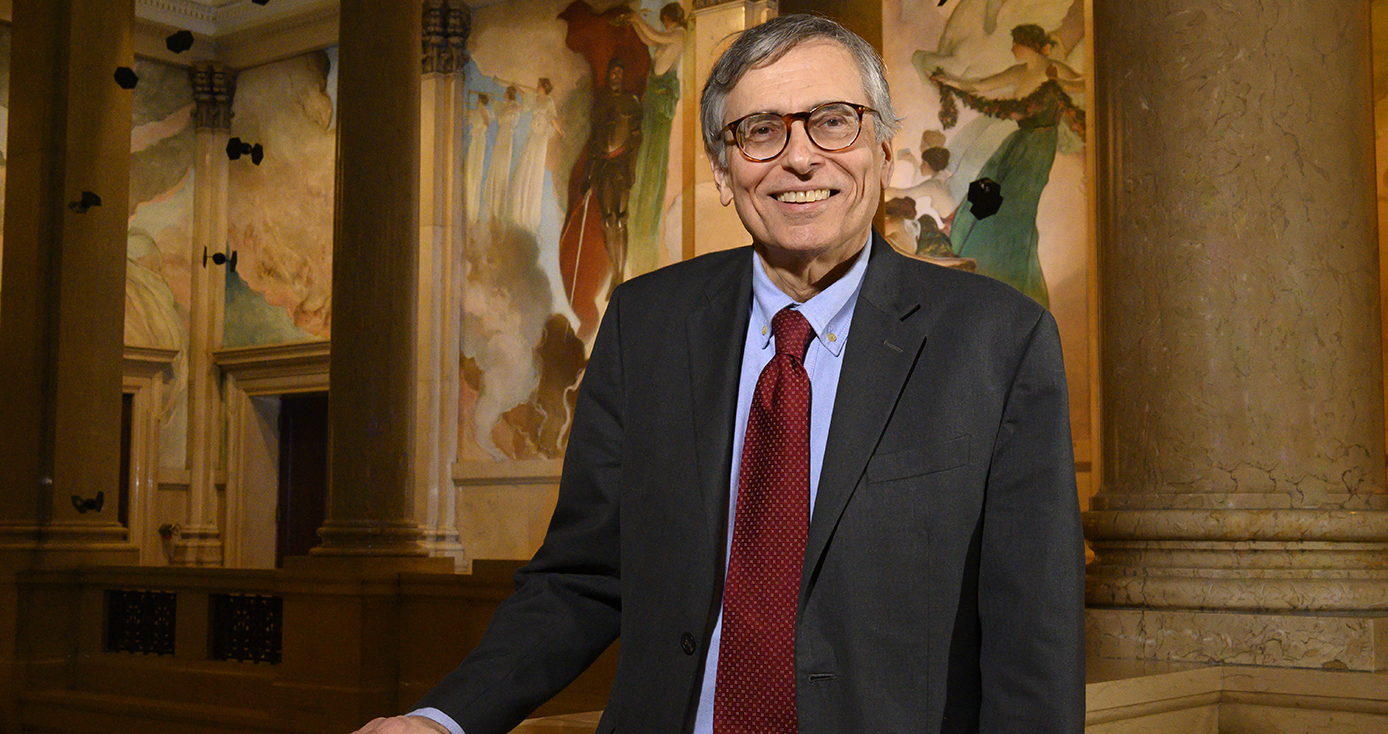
943, 580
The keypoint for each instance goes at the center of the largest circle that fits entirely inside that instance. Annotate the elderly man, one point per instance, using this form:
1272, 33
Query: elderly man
813, 484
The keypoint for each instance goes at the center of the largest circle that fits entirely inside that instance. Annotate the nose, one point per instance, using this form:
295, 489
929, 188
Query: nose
801, 154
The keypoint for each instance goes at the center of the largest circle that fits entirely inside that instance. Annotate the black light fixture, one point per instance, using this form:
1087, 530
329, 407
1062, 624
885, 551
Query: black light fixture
219, 258
237, 148
94, 504
179, 42
126, 77
985, 196
87, 201
261, 2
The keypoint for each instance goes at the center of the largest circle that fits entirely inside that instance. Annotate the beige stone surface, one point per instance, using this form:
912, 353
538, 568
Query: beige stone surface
1198, 720
567, 724
1241, 719
504, 509
1241, 319
1300, 641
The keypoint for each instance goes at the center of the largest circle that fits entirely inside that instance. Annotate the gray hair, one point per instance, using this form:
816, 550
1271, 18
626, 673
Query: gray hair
766, 44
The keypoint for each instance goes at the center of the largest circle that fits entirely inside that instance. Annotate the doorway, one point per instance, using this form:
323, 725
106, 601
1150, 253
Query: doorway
303, 473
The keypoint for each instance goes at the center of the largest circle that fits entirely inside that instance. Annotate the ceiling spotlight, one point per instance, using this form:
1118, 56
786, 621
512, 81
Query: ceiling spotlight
261, 2
237, 148
986, 197
87, 201
126, 77
179, 42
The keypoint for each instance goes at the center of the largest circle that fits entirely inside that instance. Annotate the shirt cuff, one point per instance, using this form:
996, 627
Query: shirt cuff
439, 717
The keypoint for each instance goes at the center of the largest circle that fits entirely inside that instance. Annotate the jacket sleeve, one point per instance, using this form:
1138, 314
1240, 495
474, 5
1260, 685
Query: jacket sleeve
567, 606
1031, 574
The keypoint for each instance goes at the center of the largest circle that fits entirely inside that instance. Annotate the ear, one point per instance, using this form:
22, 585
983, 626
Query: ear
888, 161
722, 179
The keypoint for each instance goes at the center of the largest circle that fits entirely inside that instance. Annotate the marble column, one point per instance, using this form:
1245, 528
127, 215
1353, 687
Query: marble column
199, 542
442, 117
63, 295
371, 507
62, 304
1241, 517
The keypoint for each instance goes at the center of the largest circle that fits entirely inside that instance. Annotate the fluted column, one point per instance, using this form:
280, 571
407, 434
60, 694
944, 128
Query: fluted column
62, 299
1242, 512
370, 508
199, 542
446, 27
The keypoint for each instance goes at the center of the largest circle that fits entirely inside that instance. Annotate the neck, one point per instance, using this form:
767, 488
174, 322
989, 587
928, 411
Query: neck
802, 278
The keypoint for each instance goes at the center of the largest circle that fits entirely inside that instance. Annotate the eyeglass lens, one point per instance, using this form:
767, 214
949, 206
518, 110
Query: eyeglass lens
832, 127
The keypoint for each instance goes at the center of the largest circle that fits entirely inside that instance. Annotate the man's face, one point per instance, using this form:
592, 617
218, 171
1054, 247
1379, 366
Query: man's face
614, 78
843, 187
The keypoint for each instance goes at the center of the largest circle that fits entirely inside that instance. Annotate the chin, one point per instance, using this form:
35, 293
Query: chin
806, 243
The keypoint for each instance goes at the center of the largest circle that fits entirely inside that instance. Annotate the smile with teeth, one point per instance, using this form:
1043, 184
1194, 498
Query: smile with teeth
803, 197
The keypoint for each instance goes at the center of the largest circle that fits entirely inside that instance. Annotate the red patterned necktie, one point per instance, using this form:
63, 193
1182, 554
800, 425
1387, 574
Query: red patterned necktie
755, 689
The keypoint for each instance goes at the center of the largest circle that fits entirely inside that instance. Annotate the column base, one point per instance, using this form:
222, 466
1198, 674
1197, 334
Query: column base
66, 545
369, 538
1246, 560
444, 544
1277, 639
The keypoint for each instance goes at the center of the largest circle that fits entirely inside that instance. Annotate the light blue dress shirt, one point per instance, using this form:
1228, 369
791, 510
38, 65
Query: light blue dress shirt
829, 312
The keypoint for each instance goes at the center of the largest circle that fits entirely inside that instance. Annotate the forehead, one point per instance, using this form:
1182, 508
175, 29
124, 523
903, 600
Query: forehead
809, 74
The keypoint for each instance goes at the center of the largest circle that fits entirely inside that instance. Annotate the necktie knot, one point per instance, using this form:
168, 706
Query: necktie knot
793, 333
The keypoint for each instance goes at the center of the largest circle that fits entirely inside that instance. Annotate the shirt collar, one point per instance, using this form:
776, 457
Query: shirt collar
828, 311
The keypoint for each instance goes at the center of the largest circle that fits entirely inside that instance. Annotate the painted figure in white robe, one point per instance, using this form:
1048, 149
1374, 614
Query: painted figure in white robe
499, 168
477, 121
528, 181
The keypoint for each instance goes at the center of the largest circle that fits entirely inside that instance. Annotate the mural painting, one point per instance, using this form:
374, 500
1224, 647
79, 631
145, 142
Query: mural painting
999, 89
159, 235
996, 89
568, 156
280, 213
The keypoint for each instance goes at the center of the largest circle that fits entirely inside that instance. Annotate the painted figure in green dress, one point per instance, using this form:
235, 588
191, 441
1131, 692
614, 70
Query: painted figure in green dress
653, 161
1004, 245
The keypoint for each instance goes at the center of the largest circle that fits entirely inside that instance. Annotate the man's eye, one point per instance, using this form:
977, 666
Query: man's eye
761, 131
831, 121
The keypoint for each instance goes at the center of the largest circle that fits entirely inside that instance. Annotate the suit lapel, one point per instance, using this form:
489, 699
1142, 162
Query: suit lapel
884, 343
716, 332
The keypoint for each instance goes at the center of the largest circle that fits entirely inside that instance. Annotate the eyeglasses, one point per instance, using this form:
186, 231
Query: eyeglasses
831, 126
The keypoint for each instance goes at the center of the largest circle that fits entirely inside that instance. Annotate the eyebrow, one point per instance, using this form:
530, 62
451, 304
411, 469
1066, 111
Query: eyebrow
806, 109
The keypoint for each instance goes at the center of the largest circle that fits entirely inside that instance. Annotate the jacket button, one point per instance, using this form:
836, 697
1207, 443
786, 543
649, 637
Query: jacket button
688, 643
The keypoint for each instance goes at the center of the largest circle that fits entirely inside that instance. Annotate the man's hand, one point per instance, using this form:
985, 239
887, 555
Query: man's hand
402, 725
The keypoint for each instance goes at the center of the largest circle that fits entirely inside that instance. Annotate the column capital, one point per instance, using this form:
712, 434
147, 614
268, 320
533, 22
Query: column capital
447, 26
213, 90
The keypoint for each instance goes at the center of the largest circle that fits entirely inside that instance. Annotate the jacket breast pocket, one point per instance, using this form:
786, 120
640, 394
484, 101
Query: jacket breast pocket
915, 462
